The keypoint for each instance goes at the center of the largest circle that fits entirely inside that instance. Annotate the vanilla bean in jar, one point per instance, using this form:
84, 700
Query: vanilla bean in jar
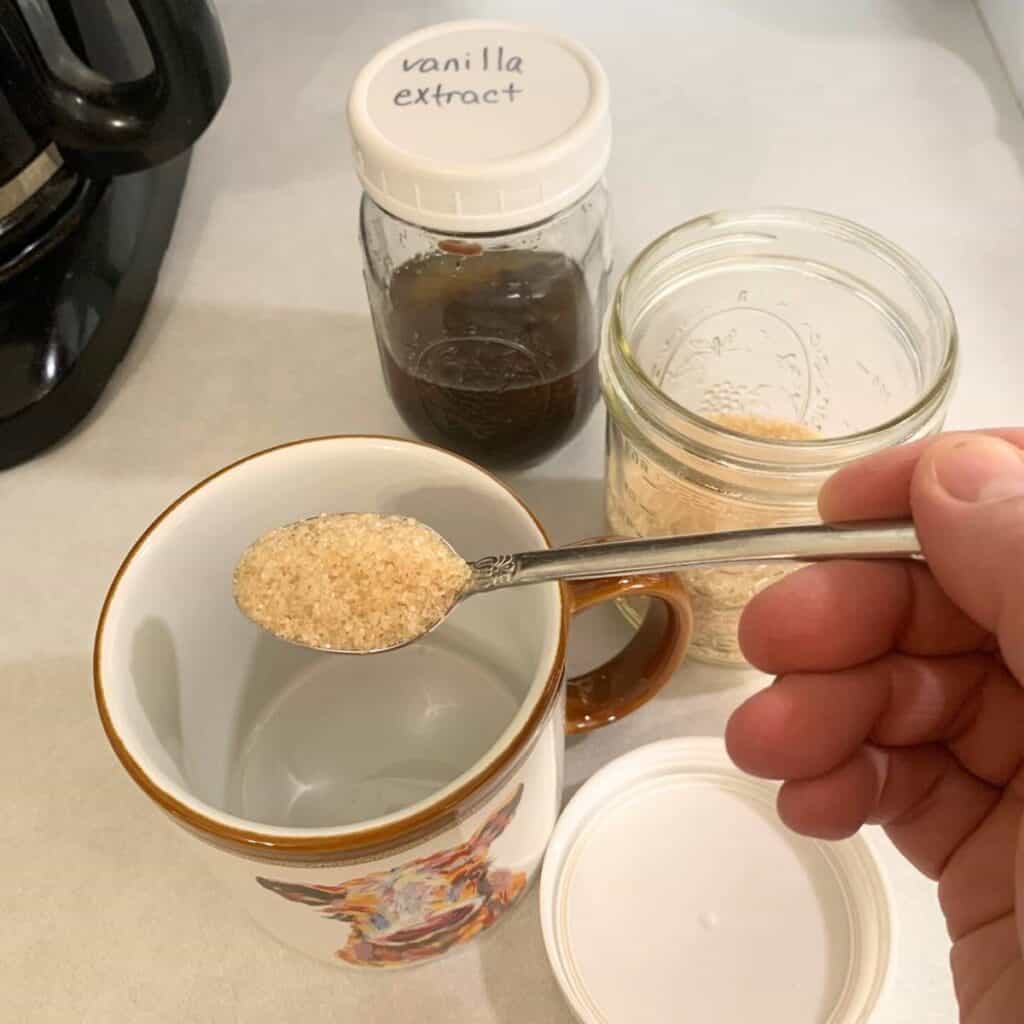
485, 233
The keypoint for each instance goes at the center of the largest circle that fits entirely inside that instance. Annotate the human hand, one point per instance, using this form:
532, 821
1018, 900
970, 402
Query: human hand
899, 697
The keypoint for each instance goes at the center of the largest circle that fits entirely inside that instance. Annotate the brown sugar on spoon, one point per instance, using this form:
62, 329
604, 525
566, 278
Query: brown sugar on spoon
350, 582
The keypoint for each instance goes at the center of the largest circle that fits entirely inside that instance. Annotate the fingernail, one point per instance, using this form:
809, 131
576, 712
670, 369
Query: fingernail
980, 469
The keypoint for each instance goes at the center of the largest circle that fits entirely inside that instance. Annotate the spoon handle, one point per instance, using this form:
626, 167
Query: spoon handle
892, 539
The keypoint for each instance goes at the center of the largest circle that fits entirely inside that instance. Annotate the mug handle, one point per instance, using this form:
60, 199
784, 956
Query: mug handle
634, 675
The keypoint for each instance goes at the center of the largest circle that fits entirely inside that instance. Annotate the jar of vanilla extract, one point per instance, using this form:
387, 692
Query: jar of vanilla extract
745, 358
482, 147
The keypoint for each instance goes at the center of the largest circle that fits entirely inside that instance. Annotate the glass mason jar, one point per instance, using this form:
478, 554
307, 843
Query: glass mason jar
482, 148
745, 358
488, 343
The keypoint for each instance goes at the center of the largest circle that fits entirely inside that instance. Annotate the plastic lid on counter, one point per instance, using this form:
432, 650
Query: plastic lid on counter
672, 892
480, 126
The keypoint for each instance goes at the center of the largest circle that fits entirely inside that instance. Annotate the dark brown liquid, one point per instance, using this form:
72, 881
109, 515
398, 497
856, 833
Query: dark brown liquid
492, 355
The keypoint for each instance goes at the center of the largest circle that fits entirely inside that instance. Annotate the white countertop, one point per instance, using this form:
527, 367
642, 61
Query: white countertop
895, 113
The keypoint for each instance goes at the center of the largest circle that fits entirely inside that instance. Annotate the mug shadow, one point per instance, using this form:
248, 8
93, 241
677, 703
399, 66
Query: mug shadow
154, 672
273, 667
73, 813
506, 978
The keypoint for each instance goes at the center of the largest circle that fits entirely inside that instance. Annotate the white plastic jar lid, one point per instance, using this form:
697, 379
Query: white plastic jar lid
480, 126
672, 892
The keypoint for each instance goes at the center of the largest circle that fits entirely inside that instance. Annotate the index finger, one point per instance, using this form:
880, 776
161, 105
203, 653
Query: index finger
878, 487
838, 614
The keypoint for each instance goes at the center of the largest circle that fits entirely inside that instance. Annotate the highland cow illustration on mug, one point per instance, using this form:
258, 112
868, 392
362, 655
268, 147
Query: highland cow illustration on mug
422, 909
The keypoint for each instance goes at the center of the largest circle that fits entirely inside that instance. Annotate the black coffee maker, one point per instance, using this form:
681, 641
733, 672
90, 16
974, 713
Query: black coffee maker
100, 101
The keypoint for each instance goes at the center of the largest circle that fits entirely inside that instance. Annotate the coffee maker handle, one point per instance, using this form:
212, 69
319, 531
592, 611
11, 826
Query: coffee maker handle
104, 127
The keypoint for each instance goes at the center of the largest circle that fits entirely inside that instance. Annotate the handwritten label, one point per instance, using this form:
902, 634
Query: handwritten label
493, 60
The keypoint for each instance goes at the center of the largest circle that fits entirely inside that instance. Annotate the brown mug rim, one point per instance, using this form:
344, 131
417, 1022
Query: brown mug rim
430, 818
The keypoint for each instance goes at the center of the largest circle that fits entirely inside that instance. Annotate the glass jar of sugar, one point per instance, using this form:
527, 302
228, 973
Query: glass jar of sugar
746, 357
482, 147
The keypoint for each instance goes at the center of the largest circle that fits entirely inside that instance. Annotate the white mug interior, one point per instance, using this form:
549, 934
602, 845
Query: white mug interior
261, 735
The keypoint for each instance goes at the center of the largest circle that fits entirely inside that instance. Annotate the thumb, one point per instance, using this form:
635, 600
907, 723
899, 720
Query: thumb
967, 496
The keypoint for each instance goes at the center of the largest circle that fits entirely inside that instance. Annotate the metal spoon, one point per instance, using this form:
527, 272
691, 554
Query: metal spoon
879, 539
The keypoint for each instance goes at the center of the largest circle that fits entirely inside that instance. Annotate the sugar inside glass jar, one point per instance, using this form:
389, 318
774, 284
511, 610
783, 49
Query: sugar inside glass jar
745, 358
482, 148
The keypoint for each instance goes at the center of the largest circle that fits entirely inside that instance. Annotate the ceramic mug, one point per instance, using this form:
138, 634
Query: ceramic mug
373, 811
